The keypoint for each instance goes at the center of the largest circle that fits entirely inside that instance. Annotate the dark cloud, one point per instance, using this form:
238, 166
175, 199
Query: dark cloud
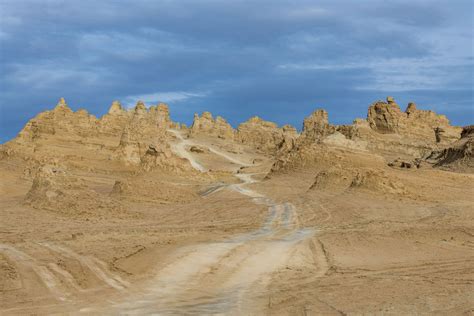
277, 59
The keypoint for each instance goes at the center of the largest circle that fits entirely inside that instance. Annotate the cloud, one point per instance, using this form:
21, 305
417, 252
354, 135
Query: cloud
52, 74
399, 74
166, 97
279, 64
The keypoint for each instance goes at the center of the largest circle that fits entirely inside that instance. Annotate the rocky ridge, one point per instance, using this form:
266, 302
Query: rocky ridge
138, 137
387, 131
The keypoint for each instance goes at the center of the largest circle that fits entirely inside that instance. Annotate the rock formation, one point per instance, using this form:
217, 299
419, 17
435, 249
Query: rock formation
316, 126
388, 118
265, 136
405, 136
459, 156
390, 131
114, 121
61, 122
207, 125
138, 137
145, 142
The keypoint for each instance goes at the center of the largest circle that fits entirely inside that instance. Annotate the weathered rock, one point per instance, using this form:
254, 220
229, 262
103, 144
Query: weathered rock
61, 123
387, 131
411, 108
266, 136
161, 115
316, 126
140, 108
116, 108
145, 143
400, 163
458, 156
384, 117
207, 125
113, 123
198, 149
390, 131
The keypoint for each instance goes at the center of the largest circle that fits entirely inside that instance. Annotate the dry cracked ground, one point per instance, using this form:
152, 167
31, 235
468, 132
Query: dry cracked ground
133, 214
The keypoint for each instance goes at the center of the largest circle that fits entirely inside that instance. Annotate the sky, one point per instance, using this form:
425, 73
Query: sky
278, 59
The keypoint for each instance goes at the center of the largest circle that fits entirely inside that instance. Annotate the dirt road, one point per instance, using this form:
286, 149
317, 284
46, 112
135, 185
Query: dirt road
222, 277
228, 276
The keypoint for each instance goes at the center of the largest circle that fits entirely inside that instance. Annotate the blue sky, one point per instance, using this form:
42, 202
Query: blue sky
276, 59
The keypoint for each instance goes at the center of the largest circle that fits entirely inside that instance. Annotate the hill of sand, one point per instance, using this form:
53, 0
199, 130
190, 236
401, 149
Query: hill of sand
132, 213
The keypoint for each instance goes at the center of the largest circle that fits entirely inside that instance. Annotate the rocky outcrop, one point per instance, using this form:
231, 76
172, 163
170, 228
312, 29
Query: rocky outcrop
145, 143
388, 118
391, 132
115, 120
161, 115
402, 138
266, 136
457, 157
61, 122
316, 126
206, 124
384, 117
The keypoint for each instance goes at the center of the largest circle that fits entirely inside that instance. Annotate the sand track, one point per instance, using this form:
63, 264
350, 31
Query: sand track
27, 264
221, 277
97, 267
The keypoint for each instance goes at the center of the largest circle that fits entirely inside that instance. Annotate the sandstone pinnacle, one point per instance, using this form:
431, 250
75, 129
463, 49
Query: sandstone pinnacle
115, 108
390, 100
62, 105
140, 107
410, 108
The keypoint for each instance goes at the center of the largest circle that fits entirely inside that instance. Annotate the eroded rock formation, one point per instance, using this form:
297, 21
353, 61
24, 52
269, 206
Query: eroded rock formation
387, 131
145, 141
206, 124
265, 136
458, 156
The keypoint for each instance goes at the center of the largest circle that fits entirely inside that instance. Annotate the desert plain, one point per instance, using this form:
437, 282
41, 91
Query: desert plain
135, 214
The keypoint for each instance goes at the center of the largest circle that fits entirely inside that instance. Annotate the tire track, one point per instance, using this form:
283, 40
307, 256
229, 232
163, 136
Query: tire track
97, 267
49, 280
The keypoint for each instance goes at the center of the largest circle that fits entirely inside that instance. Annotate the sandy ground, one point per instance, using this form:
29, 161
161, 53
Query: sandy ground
244, 245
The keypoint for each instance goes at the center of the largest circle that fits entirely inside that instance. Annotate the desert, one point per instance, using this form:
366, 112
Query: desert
133, 213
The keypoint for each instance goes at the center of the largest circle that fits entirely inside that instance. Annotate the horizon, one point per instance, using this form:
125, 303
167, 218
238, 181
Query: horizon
234, 123
231, 61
